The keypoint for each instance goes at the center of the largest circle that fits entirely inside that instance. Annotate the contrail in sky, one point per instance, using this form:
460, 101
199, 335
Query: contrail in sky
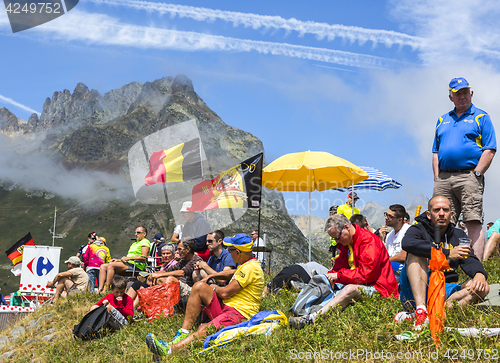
103, 29
17, 104
255, 21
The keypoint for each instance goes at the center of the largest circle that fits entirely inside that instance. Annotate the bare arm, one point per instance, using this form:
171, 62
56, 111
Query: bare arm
225, 274
227, 291
400, 257
435, 165
144, 252
58, 277
485, 161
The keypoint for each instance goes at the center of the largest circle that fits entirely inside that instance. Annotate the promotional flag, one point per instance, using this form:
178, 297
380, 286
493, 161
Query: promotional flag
179, 163
238, 187
15, 252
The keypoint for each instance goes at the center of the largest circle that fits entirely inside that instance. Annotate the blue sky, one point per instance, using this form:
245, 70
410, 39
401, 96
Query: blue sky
363, 80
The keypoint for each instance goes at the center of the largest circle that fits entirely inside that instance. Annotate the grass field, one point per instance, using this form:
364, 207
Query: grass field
360, 333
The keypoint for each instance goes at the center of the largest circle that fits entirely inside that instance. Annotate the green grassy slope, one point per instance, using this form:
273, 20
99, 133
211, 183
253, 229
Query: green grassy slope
362, 329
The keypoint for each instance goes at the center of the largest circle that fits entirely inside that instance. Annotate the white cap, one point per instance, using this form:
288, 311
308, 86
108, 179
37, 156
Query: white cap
185, 206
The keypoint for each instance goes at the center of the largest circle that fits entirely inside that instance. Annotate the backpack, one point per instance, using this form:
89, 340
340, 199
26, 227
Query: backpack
91, 324
316, 294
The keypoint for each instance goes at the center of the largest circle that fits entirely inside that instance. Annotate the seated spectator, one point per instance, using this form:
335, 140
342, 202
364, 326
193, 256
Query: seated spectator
362, 267
90, 239
157, 245
299, 272
70, 282
143, 283
220, 260
258, 242
488, 226
181, 271
394, 217
94, 256
167, 253
120, 306
121, 266
196, 227
177, 235
418, 242
361, 221
228, 305
493, 239
407, 218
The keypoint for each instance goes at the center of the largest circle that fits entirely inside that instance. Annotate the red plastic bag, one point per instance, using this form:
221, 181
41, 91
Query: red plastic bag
159, 299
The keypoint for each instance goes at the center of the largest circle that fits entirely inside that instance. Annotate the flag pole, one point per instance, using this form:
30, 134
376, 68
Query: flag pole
54, 230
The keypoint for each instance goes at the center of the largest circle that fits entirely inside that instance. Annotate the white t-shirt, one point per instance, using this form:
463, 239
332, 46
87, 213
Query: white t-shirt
393, 241
178, 230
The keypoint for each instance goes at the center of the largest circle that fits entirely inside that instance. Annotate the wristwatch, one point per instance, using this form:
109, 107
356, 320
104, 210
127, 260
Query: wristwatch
477, 173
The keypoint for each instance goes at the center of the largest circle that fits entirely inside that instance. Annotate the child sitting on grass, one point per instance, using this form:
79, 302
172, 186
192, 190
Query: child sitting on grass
120, 304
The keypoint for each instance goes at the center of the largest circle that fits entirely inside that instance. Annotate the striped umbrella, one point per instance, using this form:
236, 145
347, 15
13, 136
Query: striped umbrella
376, 181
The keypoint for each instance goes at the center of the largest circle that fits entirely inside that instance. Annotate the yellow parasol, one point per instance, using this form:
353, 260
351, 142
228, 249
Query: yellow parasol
309, 171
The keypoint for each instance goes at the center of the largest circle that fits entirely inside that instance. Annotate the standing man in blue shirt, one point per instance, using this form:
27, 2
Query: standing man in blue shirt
464, 146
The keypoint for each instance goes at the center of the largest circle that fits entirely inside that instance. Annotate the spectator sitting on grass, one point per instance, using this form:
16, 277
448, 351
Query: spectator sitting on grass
143, 283
418, 242
182, 271
70, 282
120, 304
220, 260
167, 253
227, 305
362, 267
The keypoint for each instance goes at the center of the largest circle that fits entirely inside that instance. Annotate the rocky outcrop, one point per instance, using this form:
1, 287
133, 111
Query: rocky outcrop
9, 122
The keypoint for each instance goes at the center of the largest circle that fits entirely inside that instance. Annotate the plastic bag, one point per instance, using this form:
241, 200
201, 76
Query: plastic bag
159, 299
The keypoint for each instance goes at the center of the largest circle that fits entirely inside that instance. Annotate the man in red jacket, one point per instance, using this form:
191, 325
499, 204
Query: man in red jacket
363, 266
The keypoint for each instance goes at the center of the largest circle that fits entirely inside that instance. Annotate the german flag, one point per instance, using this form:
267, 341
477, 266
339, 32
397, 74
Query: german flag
15, 253
179, 163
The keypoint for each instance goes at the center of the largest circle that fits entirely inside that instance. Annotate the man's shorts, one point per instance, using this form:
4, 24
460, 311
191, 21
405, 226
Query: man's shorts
73, 290
222, 315
465, 192
185, 289
406, 294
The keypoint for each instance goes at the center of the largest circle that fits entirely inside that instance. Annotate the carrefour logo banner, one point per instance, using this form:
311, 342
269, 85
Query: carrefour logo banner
40, 265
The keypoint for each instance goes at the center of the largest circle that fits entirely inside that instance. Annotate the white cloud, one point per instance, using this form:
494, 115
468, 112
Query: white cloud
17, 104
36, 171
255, 21
462, 30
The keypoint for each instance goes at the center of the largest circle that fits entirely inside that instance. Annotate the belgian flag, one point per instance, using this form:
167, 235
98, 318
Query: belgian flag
179, 163
15, 252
